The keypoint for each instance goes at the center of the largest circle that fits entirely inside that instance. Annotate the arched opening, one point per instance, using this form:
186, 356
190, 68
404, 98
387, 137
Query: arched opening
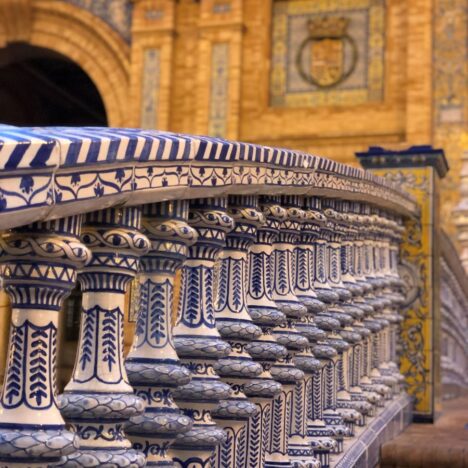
40, 87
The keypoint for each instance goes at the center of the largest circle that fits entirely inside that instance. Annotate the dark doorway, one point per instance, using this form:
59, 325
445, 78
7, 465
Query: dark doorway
39, 87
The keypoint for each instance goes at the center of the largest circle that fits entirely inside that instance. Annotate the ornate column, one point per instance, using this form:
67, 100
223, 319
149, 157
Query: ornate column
301, 447
98, 400
265, 349
236, 327
304, 275
353, 412
284, 268
393, 300
370, 304
39, 263
327, 320
376, 298
197, 340
360, 309
283, 370
152, 363
329, 274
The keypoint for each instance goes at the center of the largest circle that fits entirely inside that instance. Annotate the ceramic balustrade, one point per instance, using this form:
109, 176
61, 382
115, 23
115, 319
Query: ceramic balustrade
197, 340
285, 339
362, 268
283, 370
304, 288
329, 320
235, 325
39, 265
352, 412
153, 366
358, 310
99, 399
265, 349
299, 445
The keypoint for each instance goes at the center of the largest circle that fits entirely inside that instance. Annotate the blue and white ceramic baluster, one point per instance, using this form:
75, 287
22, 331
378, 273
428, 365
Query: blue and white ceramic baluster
361, 358
235, 325
378, 299
370, 381
152, 363
38, 266
343, 343
353, 412
389, 315
320, 436
283, 370
299, 447
265, 349
98, 400
197, 339
322, 287
357, 269
329, 321
366, 401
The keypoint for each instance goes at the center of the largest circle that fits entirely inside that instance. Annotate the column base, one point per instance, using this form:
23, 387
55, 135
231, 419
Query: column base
20, 446
124, 458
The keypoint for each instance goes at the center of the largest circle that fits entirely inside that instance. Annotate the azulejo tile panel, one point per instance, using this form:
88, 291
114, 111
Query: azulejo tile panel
116, 13
450, 72
219, 89
150, 88
327, 52
416, 270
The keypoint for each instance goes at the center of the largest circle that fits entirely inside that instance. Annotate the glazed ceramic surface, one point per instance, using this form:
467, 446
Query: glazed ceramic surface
282, 343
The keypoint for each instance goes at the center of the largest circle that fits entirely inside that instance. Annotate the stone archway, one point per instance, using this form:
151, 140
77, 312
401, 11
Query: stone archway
78, 35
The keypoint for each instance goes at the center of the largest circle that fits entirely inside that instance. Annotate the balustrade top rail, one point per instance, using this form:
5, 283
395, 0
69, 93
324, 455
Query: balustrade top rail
51, 172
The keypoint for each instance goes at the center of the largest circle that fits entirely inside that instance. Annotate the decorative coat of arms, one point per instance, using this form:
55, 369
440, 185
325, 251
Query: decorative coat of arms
320, 59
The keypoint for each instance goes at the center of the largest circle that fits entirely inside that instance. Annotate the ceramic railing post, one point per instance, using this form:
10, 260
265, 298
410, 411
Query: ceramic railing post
98, 400
353, 330
266, 310
152, 363
298, 447
322, 437
329, 321
302, 449
197, 340
380, 302
236, 327
352, 412
357, 271
360, 308
387, 229
265, 349
339, 409
318, 434
39, 263
362, 274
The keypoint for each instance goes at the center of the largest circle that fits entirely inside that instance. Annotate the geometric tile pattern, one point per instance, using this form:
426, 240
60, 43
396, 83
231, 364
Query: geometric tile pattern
46, 169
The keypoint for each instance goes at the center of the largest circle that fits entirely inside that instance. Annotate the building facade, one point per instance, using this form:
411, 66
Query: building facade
327, 77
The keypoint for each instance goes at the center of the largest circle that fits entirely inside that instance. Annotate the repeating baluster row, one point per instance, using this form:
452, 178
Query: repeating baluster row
284, 344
